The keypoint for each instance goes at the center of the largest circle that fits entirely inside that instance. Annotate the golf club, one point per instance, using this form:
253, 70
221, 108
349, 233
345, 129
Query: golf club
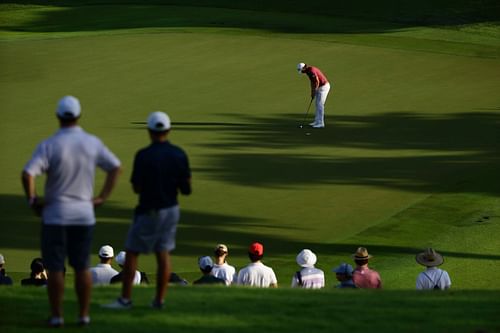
307, 112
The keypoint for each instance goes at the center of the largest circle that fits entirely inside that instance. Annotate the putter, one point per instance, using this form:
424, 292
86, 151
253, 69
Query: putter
307, 112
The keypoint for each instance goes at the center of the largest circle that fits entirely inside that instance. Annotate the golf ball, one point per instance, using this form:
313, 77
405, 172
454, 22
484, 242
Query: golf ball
308, 133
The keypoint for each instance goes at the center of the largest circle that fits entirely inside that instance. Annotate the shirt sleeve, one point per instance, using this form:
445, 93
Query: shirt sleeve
447, 280
136, 171
274, 280
39, 162
106, 160
185, 174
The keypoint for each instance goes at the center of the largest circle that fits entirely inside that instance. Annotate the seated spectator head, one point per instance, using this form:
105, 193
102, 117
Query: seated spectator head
429, 258
120, 258
343, 272
206, 264
106, 254
256, 252
306, 258
37, 268
221, 250
361, 256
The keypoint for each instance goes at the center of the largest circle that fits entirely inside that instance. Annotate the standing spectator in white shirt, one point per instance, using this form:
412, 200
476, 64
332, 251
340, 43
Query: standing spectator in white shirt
69, 158
103, 272
256, 274
432, 277
308, 277
221, 268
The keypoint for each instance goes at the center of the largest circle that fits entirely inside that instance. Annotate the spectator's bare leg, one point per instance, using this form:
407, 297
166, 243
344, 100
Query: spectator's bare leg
55, 289
129, 273
83, 287
163, 275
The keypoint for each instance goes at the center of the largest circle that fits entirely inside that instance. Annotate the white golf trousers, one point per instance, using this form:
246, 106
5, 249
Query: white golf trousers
321, 95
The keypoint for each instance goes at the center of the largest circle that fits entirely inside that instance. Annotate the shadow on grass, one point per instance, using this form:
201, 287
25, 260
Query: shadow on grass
403, 150
285, 16
197, 234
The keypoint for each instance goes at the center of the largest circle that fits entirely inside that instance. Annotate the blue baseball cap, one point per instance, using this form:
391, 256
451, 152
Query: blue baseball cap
343, 268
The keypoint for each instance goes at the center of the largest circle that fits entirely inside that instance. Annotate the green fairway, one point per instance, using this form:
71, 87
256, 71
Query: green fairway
408, 159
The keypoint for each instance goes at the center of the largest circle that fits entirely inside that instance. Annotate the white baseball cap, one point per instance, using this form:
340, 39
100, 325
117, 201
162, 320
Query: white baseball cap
106, 251
2, 260
205, 262
158, 121
306, 258
300, 66
68, 107
120, 258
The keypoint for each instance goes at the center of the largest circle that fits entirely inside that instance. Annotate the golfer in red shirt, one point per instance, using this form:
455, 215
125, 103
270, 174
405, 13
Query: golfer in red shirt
319, 90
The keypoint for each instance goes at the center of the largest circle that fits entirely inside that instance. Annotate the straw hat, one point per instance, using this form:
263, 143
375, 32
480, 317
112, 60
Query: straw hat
429, 258
361, 254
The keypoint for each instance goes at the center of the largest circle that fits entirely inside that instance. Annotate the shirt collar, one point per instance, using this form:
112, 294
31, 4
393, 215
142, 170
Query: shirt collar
70, 129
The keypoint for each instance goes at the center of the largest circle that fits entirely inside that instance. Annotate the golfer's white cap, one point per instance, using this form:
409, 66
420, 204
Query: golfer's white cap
106, 251
120, 258
68, 107
300, 66
2, 260
158, 121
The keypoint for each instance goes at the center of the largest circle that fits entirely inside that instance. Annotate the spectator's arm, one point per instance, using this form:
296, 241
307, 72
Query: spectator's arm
29, 187
109, 184
28, 182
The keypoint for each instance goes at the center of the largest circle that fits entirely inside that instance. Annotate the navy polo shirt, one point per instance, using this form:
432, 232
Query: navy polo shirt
160, 171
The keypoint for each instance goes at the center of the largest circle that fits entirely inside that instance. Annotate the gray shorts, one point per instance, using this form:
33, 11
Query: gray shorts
153, 231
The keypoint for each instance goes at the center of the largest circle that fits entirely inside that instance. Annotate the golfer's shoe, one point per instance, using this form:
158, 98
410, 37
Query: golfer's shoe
312, 124
318, 126
55, 322
83, 321
119, 304
156, 305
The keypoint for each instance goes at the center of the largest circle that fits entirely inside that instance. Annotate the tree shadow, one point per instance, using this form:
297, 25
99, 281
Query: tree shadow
401, 150
198, 232
322, 16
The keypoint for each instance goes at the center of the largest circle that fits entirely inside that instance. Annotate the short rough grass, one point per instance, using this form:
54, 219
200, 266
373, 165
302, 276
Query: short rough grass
213, 309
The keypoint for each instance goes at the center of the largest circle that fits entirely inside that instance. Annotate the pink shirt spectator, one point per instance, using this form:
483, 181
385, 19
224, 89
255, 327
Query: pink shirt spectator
364, 277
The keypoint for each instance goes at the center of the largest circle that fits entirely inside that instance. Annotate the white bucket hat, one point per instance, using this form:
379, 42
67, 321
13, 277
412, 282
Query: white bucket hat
306, 258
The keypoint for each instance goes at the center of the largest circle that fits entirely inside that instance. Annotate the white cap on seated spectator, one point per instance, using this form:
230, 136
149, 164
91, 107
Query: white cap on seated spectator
68, 107
158, 121
120, 258
106, 251
2, 260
